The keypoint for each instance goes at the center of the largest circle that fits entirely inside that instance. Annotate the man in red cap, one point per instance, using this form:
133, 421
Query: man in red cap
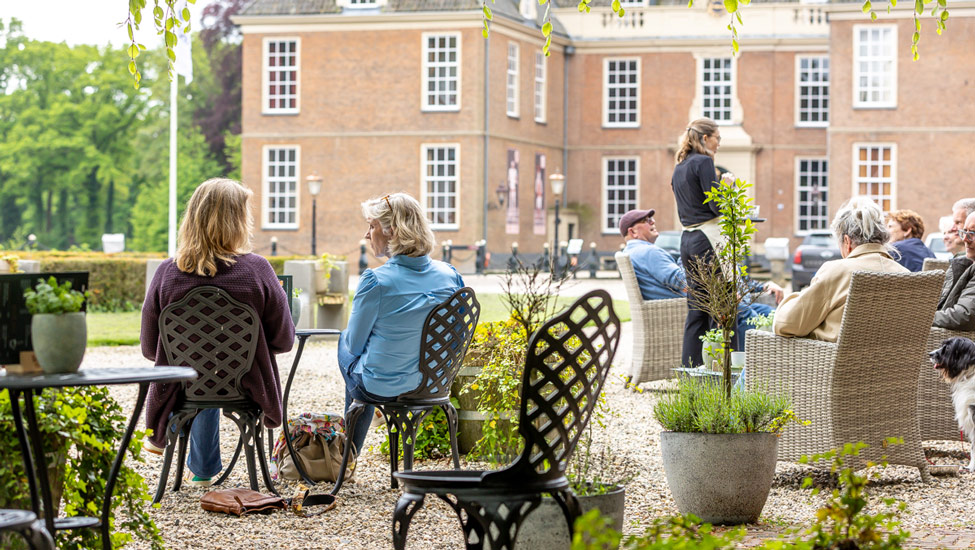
659, 275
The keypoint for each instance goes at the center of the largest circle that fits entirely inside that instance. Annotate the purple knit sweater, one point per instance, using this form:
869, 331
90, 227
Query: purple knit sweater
250, 280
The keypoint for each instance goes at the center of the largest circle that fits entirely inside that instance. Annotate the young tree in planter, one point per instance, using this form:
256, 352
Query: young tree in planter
722, 280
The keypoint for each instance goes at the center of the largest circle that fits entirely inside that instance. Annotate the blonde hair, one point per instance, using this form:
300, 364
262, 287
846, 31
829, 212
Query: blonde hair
217, 225
693, 139
403, 223
862, 221
909, 220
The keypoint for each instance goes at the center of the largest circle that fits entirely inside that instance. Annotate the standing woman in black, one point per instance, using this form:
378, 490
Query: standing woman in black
693, 175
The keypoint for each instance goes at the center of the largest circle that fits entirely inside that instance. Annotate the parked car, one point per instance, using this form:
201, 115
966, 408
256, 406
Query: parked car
670, 241
936, 242
816, 249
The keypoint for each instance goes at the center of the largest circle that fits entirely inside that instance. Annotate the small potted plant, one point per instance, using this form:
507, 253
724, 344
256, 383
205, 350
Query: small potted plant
712, 352
58, 329
9, 263
762, 322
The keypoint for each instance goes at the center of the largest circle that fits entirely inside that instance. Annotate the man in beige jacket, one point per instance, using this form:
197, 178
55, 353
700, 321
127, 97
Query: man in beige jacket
817, 311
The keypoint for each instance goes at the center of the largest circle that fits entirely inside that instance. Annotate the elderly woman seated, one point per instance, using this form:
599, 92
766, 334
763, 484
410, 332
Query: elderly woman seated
817, 311
379, 353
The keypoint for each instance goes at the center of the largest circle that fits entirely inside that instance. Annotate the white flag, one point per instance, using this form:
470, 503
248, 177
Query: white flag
184, 56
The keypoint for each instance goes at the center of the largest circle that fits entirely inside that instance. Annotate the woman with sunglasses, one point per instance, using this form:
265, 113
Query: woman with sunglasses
378, 352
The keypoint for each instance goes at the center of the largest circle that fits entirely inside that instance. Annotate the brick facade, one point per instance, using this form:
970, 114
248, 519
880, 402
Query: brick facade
361, 125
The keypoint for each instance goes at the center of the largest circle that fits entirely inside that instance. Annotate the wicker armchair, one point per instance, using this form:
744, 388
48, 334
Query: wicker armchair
658, 329
853, 390
934, 263
934, 408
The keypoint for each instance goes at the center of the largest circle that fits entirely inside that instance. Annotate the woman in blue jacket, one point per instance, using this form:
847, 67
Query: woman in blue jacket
378, 353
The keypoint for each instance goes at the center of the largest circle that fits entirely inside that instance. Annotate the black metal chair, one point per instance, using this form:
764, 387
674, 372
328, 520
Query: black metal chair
26, 524
565, 369
447, 333
216, 335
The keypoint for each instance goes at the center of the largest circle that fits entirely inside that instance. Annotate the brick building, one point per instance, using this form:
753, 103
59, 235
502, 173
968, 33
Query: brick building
378, 96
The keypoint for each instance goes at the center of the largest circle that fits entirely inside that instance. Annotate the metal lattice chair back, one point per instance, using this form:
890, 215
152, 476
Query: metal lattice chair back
447, 334
216, 335
565, 370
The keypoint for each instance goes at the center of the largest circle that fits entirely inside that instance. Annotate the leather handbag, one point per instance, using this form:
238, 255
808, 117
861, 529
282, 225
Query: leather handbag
318, 447
320, 458
240, 502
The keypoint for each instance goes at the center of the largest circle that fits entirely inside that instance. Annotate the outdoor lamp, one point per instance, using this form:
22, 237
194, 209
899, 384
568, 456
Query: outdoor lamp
314, 188
502, 193
558, 185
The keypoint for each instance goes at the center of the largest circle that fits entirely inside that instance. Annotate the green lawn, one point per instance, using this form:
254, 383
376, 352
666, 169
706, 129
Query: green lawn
122, 329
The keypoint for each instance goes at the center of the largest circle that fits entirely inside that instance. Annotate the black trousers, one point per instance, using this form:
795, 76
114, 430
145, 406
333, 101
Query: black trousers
694, 246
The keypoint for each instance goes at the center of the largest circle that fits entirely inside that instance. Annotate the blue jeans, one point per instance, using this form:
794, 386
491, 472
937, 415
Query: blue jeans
746, 312
204, 455
354, 389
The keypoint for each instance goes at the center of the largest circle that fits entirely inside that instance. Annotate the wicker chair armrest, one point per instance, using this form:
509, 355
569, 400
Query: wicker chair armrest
795, 365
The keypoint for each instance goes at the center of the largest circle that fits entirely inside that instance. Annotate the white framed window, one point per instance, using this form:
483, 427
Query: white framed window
717, 79
540, 74
874, 173
633, 3
440, 174
360, 3
874, 66
281, 75
621, 177
812, 194
812, 90
512, 80
281, 169
621, 93
441, 72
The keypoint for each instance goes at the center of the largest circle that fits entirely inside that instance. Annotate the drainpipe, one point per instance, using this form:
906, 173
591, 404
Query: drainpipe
568, 52
484, 160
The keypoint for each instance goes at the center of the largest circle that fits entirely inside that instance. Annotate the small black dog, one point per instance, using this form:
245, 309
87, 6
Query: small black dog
955, 359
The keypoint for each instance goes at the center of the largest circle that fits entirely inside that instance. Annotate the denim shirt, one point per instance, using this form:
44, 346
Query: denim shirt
658, 273
386, 323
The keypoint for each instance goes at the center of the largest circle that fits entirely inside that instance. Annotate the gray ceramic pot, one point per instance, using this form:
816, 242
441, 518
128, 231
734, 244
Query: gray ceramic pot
59, 341
721, 478
545, 527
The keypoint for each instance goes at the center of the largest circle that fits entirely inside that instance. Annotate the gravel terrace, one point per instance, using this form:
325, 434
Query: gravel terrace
941, 511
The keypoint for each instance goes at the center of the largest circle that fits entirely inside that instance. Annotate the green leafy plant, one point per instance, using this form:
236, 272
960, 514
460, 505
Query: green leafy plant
845, 521
50, 297
593, 531
432, 439
12, 260
720, 278
761, 321
702, 407
328, 262
82, 429
499, 347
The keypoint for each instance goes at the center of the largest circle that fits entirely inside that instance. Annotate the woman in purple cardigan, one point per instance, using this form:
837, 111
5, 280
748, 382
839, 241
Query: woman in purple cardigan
214, 249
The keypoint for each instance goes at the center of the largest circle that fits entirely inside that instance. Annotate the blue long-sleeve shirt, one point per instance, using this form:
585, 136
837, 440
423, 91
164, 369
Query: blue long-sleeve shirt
386, 323
659, 274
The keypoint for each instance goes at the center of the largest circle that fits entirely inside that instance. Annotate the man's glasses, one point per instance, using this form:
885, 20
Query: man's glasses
966, 235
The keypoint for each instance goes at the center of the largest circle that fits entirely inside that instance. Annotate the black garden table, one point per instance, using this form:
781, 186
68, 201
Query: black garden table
29, 386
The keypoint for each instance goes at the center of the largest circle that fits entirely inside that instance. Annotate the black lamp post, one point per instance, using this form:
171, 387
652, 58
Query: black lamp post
558, 185
314, 188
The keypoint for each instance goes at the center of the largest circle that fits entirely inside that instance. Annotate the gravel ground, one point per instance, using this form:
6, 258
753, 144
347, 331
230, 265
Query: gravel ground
362, 519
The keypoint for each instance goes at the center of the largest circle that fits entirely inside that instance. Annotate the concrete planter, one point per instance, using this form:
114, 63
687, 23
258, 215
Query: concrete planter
545, 527
337, 281
721, 478
59, 341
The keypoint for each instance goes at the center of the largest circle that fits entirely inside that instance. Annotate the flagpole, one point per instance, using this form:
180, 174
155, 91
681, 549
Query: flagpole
172, 165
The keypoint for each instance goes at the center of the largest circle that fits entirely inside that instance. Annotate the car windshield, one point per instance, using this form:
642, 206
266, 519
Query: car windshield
668, 241
820, 240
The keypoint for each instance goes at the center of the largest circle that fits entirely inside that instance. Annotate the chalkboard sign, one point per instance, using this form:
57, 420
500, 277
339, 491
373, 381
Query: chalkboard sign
287, 283
14, 318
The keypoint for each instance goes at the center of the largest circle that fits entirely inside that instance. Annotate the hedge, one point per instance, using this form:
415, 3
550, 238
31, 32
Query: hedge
117, 281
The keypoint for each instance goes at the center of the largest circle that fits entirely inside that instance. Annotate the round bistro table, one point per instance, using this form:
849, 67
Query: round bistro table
30, 439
